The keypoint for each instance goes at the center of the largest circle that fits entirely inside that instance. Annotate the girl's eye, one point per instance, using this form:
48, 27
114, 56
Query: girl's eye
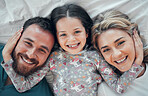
120, 43
77, 31
28, 43
106, 50
62, 35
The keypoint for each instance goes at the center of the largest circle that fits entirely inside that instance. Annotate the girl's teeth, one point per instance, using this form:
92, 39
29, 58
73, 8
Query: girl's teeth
72, 45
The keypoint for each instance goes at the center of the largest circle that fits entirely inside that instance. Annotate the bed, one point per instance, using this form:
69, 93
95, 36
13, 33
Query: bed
14, 13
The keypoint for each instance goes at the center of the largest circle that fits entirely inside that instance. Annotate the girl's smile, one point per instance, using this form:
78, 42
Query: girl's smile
71, 34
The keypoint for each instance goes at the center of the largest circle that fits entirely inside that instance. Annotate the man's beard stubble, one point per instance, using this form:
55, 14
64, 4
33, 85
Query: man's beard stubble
23, 70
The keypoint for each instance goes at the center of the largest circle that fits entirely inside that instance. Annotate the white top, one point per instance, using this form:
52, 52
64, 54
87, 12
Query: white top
139, 87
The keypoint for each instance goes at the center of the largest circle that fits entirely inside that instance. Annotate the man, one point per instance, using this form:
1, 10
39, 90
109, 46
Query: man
27, 51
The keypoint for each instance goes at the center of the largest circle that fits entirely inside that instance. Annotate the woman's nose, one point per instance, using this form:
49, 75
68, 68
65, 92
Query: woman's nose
116, 53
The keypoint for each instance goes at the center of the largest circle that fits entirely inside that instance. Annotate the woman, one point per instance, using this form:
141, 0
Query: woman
118, 41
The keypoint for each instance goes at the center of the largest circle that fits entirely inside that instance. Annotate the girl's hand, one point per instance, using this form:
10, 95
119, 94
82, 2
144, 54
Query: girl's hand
10, 46
138, 47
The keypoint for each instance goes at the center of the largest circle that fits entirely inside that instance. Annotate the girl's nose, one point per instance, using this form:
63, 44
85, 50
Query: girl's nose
71, 38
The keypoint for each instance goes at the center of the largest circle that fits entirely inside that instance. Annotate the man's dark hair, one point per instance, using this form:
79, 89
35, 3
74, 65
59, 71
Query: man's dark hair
42, 22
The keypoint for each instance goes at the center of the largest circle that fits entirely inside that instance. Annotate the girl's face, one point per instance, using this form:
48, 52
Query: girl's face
117, 47
71, 34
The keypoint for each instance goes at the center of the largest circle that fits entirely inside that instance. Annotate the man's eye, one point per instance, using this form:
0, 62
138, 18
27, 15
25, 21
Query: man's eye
106, 50
42, 51
120, 43
28, 43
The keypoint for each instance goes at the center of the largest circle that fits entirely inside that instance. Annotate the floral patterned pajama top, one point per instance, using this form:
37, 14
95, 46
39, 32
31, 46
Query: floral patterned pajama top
76, 74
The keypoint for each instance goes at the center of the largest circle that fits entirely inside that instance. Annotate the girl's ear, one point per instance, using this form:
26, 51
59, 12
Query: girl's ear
86, 35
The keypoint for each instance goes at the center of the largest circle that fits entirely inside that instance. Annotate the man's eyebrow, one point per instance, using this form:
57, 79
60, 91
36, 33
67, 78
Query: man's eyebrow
29, 39
118, 39
45, 48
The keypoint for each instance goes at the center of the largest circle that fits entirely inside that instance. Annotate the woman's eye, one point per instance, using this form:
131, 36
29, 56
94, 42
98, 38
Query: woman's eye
120, 43
106, 50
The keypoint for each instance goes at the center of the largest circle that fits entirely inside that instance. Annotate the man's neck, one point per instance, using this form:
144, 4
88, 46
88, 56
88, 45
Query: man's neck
8, 81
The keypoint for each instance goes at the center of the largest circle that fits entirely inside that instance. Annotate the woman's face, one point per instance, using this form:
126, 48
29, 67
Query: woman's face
71, 34
117, 47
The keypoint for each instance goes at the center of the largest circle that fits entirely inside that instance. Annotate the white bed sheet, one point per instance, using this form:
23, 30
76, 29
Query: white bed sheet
13, 13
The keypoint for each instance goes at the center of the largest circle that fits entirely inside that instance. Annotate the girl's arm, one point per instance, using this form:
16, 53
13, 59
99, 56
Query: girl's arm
8, 48
138, 47
120, 84
21, 83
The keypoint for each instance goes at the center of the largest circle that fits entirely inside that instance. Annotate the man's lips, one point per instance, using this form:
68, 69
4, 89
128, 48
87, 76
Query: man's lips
29, 61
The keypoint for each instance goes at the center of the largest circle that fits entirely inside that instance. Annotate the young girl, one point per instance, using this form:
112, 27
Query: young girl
75, 68
116, 38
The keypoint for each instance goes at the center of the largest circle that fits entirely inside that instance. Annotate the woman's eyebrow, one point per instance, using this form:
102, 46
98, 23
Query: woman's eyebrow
114, 42
104, 47
118, 39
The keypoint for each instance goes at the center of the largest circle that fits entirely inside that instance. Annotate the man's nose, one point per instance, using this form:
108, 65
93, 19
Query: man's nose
31, 53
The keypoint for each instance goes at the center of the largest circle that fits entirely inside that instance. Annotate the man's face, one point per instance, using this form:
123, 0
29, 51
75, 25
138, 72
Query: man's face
32, 50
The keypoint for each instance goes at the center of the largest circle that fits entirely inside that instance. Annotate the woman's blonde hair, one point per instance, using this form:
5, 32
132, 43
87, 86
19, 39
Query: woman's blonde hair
113, 19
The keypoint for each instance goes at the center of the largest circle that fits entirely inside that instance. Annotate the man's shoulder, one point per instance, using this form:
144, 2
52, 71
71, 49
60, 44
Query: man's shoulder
2, 45
1, 48
41, 89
